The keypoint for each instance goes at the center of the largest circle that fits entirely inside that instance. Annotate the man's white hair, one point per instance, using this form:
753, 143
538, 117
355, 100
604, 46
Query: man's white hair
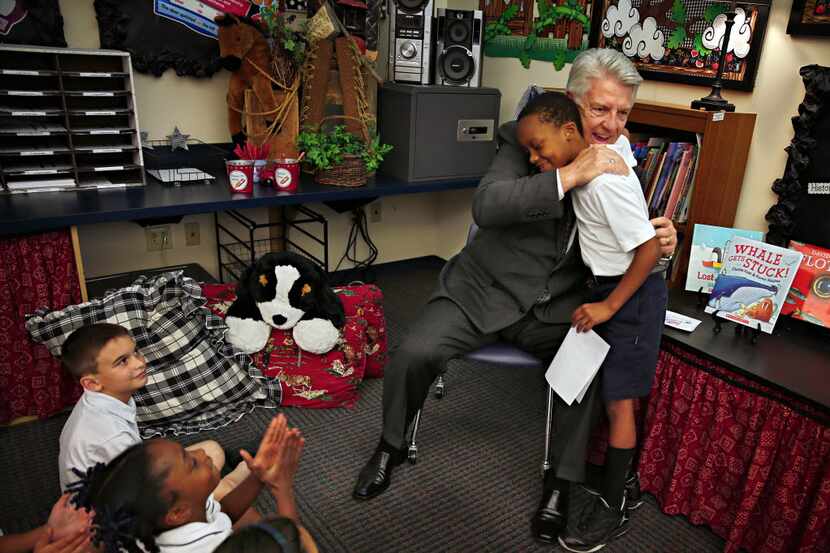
601, 63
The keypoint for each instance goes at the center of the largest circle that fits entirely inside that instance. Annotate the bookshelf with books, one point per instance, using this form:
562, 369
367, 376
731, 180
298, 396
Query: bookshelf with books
692, 167
67, 120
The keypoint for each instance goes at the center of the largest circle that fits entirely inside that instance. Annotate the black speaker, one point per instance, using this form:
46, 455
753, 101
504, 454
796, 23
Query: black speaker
459, 34
410, 41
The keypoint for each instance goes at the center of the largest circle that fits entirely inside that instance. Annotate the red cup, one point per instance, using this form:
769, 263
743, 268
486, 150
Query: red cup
286, 174
241, 175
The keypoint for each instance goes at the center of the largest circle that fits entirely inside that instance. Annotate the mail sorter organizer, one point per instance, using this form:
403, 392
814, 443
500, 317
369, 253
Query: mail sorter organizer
67, 120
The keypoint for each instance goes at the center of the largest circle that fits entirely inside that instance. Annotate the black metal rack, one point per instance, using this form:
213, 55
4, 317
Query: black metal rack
238, 253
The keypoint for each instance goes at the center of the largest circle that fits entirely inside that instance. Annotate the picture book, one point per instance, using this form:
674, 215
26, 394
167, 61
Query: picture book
753, 282
706, 256
809, 296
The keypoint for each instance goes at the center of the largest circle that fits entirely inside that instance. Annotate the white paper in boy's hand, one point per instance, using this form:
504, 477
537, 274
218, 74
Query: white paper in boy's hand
576, 363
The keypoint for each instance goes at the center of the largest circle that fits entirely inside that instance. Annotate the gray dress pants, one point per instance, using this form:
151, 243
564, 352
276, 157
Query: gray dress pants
443, 332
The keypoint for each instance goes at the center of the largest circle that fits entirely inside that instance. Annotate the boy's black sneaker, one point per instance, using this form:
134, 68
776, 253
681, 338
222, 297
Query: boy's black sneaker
633, 495
598, 525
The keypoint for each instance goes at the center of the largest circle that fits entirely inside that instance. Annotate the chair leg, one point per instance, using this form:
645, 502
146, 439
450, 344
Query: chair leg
439, 388
548, 425
412, 452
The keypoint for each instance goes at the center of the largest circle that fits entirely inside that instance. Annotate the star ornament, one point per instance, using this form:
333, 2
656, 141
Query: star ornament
178, 141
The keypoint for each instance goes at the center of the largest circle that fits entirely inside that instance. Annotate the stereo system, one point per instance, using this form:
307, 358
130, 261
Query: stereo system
410, 41
444, 50
458, 47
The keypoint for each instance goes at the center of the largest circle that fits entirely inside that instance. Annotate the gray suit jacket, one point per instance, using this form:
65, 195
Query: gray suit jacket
520, 251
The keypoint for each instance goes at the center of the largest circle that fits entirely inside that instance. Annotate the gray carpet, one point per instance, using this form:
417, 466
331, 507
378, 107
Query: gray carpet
474, 489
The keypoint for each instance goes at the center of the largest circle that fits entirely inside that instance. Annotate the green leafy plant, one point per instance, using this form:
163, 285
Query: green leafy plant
374, 153
325, 149
292, 41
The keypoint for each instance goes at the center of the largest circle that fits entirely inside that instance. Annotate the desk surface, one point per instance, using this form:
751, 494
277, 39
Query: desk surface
795, 358
42, 211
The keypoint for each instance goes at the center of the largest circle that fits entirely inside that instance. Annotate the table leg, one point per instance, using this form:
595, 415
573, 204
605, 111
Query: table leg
79, 262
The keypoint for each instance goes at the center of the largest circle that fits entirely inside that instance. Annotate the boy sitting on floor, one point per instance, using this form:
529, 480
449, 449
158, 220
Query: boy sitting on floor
103, 422
628, 297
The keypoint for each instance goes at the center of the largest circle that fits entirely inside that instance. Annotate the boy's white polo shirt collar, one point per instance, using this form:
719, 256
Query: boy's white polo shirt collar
111, 405
198, 537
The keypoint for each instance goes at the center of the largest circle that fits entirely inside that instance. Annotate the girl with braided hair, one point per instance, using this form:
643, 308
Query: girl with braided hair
157, 496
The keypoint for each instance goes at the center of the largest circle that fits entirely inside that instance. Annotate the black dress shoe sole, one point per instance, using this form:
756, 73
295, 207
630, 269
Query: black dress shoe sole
375, 493
547, 531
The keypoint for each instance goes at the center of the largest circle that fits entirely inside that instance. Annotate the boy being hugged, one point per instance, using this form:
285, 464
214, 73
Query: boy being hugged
627, 298
103, 357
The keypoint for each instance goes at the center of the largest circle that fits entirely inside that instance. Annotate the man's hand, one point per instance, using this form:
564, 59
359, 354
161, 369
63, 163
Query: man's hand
666, 234
279, 451
65, 519
589, 164
588, 315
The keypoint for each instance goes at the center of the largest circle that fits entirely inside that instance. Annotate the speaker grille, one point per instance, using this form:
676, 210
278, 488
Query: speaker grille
457, 64
411, 5
458, 31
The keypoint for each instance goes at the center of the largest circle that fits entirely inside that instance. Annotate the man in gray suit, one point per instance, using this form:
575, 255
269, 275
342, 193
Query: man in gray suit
518, 281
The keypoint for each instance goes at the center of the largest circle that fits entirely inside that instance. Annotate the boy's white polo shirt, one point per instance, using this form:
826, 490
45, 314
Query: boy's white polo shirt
198, 537
98, 430
612, 218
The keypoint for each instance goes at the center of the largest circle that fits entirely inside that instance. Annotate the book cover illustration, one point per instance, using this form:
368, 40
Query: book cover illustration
809, 295
706, 256
753, 282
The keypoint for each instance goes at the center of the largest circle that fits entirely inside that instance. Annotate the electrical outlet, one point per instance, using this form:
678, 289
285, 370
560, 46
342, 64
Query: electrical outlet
191, 234
158, 238
375, 212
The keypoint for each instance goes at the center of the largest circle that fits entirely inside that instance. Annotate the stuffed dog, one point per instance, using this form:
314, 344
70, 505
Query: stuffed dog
287, 291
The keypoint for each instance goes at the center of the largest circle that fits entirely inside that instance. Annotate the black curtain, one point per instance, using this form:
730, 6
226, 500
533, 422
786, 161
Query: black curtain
802, 214
36, 22
155, 43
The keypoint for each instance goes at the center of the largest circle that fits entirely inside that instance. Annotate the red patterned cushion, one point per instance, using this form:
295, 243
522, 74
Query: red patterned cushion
365, 303
320, 381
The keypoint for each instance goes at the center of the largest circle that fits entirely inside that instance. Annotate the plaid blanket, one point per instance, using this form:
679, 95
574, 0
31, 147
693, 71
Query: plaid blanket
196, 381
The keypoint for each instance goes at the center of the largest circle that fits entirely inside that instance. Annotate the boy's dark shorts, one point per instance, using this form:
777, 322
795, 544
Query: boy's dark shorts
634, 336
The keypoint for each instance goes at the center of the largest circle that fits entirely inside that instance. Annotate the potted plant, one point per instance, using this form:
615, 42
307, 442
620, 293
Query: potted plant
340, 158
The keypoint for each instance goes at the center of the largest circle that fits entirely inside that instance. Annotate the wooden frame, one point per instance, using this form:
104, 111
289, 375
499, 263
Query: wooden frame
805, 18
688, 30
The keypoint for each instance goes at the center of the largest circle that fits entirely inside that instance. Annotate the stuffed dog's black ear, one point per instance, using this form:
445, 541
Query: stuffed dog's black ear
331, 307
245, 307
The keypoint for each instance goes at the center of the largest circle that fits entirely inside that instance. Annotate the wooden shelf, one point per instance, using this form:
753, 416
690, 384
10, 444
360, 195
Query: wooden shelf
724, 149
67, 120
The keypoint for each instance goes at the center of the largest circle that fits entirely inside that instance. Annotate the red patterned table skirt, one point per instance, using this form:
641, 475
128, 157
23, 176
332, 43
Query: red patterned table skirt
35, 271
730, 453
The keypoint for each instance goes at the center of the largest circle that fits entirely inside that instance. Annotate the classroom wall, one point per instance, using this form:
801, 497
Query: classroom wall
427, 224
412, 226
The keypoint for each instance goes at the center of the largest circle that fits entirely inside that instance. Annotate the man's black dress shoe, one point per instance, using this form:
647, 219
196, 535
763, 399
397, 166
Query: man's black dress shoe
376, 475
551, 517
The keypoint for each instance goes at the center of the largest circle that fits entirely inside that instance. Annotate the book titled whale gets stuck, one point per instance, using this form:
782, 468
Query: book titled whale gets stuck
753, 282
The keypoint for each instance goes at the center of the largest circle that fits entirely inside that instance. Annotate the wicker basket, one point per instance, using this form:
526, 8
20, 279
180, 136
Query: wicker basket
351, 172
